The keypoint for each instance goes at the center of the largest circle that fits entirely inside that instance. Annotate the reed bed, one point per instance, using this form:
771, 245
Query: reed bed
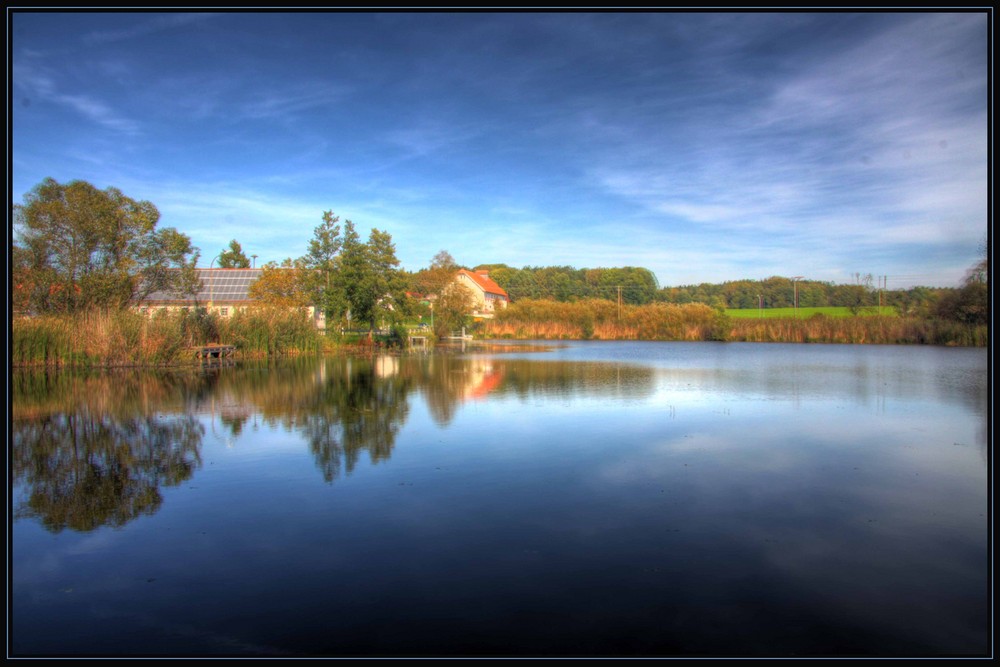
606, 320
127, 338
889, 330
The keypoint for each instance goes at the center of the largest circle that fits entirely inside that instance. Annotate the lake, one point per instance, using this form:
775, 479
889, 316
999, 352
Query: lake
587, 499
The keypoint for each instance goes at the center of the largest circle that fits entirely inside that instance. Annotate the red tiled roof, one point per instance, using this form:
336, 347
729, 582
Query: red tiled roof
485, 283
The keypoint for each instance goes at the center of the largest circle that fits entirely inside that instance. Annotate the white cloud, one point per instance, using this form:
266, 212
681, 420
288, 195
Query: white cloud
157, 23
35, 81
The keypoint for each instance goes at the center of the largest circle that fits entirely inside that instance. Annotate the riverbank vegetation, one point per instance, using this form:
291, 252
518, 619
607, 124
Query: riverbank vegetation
597, 319
127, 338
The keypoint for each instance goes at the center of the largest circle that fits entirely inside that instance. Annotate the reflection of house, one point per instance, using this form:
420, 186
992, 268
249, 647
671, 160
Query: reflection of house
482, 380
223, 292
386, 366
489, 296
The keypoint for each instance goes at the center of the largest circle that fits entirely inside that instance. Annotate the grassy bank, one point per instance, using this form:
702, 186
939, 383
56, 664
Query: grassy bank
126, 338
827, 311
606, 320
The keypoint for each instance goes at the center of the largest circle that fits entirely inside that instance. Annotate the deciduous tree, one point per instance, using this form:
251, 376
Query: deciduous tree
281, 286
77, 247
439, 274
453, 308
970, 303
369, 275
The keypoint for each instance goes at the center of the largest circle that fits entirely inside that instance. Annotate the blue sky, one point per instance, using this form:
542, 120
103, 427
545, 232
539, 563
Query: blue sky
704, 146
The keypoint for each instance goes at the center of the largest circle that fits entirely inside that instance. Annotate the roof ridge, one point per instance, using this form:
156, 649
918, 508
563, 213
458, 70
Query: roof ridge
485, 283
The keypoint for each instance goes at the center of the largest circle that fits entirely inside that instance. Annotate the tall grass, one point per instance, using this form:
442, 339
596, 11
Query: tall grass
875, 330
265, 332
602, 319
606, 320
127, 338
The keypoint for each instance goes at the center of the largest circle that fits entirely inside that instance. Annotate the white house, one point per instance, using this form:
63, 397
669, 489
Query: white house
489, 296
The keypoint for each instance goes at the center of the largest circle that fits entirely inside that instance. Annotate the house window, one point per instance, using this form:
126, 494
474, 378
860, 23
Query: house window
224, 312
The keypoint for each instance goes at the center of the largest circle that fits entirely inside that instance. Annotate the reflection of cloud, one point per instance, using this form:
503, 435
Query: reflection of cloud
93, 543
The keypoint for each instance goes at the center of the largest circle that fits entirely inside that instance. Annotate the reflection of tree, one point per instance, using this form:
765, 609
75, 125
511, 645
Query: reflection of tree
342, 405
444, 383
93, 450
356, 408
449, 381
84, 470
234, 422
88, 449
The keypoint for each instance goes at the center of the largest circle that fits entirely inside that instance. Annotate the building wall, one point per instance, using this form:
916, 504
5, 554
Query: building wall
477, 291
486, 303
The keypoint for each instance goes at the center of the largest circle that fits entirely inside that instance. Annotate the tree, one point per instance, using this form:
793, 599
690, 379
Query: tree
321, 260
234, 257
970, 303
77, 247
453, 308
435, 278
281, 286
856, 297
388, 281
369, 276
444, 260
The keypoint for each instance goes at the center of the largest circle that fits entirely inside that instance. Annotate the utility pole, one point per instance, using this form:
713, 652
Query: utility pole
795, 294
881, 281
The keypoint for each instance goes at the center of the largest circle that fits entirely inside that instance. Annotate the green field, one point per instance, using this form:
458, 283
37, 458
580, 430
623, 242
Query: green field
829, 311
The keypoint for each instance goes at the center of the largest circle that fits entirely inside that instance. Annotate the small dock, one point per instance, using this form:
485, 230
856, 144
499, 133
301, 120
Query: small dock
213, 352
459, 336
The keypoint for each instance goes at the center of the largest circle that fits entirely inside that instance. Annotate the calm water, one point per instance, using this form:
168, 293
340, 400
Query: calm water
604, 499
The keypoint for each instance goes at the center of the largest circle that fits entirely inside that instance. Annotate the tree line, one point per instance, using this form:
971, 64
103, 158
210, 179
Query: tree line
78, 248
638, 286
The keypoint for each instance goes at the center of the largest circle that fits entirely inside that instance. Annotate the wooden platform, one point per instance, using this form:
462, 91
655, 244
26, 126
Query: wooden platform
209, 352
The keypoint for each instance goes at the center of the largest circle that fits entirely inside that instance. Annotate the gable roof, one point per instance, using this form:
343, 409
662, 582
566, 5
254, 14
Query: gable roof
484, 282
216, 285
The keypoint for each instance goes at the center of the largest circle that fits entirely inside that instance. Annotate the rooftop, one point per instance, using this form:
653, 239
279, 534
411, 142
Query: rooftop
486, 283
216, 285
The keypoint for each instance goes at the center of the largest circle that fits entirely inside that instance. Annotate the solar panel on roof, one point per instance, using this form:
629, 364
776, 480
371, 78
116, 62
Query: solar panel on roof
217, 285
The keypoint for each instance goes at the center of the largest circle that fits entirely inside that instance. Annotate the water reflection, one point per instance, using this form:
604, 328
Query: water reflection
676, 501
358, 406
449, 381
88, 452
93, 449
